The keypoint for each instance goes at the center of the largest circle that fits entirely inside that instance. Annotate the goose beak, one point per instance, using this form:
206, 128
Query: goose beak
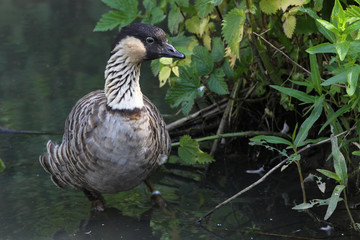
171, 52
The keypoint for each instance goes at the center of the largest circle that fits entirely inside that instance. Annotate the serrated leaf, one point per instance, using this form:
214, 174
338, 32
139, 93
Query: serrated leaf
186, 88
309, 123
155, 66
217, 82
218, 49
203, 60
232, 29
352, 11
339, 161
189, 151
289, 26
174, 19
205, 7
115, 4
193, 25
284, 4
187, 105
157, 15
295, 93
164, 74
269, 6
318, 5
109, 21
334, 199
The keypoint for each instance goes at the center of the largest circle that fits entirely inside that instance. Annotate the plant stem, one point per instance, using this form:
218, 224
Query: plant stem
348, 211
234, 134
301, 180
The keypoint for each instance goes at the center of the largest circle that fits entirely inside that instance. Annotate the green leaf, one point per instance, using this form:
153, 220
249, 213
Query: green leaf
164, 74
352, 75
155, 66
271, 139
218, 49
157, 15
342, 49
352, 27
174, 19
189, 151
322, 48
356, 153
232, 29
303, 206
203, 60
2, 165
115, 4
309, 122
318, 5
205, 7
337, 17
109, 21
217, 82
193, 24
327, 34
329, 174
269, 6
289, 26
339, 78
334, 199
295, 93
329, 26
186, 89
315, 73
334, 116
352, 11
339, 161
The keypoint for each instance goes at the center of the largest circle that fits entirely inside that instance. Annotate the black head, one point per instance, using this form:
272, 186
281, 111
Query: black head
145, 42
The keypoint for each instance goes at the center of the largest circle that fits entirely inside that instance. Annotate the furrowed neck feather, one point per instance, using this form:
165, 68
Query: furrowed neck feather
122, 88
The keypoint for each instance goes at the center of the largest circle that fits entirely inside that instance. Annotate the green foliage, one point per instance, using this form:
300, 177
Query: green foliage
190, 152
219, 53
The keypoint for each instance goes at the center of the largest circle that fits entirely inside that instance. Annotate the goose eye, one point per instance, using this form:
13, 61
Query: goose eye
149, 40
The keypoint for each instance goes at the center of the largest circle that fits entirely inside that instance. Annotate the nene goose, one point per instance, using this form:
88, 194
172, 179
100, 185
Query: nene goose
114, 138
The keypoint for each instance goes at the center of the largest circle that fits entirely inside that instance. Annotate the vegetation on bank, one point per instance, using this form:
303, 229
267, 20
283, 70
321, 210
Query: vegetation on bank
292, 65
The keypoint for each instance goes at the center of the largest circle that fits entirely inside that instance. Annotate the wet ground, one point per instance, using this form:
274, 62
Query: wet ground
49, 58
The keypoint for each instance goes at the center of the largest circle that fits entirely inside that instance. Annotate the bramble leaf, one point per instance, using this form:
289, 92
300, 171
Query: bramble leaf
269, 6
232, 29
109, 21
217, 82
204, 7
174, 19
203, 60
164, 74
289, 26
190, 152
218, 49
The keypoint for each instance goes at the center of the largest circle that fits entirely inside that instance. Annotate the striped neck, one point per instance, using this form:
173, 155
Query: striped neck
122, 88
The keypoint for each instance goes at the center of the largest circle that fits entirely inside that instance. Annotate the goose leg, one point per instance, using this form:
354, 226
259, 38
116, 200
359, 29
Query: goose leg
155, 195
97, 201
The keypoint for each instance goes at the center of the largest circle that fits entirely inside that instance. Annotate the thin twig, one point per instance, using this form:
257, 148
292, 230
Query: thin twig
224, 117
292, 61
181, 121
266, 175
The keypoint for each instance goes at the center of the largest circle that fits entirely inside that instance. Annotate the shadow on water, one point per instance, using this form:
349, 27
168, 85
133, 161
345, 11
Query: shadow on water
49, 58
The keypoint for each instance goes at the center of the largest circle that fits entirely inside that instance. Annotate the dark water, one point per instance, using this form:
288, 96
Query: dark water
49, 58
